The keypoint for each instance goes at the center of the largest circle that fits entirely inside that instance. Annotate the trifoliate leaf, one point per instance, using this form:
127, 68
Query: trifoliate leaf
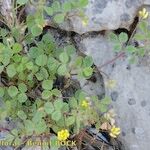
47, 84
12, 91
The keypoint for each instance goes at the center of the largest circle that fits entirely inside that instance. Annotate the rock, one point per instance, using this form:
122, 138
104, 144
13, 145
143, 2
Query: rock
105, 15
131, 94
102, 15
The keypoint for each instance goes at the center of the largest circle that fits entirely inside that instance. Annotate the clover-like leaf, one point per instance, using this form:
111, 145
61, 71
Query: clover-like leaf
47, 84
17, 48
41, 60
22, 97
48, 107
11, 70
12, 91
70, 120
64, 58
59, 18
46, 94
22, 87
56, 115
36, 30
62, 70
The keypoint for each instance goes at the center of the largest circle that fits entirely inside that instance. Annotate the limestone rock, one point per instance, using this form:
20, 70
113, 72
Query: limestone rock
131, 94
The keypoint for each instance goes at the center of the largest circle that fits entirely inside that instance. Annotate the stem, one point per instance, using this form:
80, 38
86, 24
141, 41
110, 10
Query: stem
122, 54
112, 60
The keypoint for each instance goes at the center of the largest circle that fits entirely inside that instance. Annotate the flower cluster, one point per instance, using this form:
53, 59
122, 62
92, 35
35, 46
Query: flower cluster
85, 104
143, 13
63, 135
114, 132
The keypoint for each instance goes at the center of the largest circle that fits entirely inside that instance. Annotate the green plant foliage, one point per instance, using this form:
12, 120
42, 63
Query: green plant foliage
122, 43
31, 65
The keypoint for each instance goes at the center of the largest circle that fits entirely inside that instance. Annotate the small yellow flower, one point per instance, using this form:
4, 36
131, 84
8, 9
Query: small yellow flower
111, 84
85, 104
143, 13
84, 23
114, 132
63, 135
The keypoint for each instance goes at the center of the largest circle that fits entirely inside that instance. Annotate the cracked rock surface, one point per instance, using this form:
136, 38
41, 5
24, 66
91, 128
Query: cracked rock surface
130, 97
105, 15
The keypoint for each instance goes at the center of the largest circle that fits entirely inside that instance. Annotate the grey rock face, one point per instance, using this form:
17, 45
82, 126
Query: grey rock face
131, 94
105, 15
102, 15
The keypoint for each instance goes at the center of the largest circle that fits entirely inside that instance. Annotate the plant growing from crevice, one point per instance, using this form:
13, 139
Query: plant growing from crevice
134, 46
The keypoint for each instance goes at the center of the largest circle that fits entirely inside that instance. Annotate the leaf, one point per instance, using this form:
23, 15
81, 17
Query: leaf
52, 64
106, 101
143, 26
131, 49
48, 107
22, 87
17, 48
70, 49
64, 58
58, 104
29, 65
65, 108
66, 6
79, 61
36, 30
41, 60
87, 61
12, 91
40, 127
123, 37
48, 10
70, 120
73, 103
103, 108
139, 36
59, 18
56, 6
33, 52
88, 71
113, 37
117, 47
29, 127
11, 71
62, 70
22, 115
56, 92
22, 97
22, 2
47, 84
2, 91
56, 115
46, 94
141, 52
83, 3
38, 116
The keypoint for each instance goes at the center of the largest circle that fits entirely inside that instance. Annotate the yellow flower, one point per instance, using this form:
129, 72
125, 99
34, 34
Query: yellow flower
143, 13
63, 135
84, 23
85, 104
111, 84
114, 132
